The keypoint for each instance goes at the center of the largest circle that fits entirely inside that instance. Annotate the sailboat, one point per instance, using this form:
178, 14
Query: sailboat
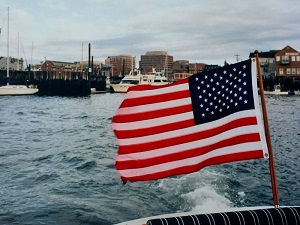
193, 123
14, 89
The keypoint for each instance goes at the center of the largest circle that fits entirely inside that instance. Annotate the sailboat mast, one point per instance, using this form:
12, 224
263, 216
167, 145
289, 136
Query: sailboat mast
18, 53
81, 63
7, 60
132, 58
31, 53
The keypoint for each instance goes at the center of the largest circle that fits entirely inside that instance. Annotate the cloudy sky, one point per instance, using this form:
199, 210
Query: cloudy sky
210, 31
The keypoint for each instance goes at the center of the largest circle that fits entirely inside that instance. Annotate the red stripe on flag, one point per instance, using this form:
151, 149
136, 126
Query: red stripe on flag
255, 154
123, 134
186, 138
144, 100
140, 163
127, 118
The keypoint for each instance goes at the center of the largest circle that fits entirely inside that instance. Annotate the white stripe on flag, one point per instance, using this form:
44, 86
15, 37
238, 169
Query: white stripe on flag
163, 90
153, 122
154, 106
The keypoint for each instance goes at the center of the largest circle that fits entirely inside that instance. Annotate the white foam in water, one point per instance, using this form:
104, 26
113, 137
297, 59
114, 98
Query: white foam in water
199, 190
206, 198
241, 194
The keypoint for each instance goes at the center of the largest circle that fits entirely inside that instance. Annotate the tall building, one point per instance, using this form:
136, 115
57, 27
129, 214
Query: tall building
159, 60
121, 64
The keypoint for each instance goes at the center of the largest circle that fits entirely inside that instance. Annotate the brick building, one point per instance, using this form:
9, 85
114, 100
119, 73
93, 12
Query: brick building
180, 76
121, 64
181, 66
287, 63
59, 70
196, 67
158, 60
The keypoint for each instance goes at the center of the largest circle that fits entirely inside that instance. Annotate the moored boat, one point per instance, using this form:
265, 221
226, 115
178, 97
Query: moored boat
152, 78
278, 91
14, 89
17, 90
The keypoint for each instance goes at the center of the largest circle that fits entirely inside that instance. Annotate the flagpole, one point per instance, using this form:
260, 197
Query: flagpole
268, 138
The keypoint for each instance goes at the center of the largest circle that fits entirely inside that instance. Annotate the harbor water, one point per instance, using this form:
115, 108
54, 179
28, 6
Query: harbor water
57, 166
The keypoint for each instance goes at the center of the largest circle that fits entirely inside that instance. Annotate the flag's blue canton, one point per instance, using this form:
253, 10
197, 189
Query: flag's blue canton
220, 92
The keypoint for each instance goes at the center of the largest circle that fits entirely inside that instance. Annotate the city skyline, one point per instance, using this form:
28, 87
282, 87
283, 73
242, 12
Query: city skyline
198, 31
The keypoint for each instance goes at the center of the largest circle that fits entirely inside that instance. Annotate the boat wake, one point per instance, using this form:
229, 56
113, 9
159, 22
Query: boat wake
199, 191
206, 198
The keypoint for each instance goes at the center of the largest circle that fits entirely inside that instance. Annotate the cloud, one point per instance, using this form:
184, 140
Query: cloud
197, 30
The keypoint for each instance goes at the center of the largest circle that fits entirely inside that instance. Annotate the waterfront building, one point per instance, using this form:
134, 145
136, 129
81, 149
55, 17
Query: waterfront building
59, 70
158, 60
64, 70
121, 64
35, 67
287, 63
210, 67
267, 63
180, 76
181, 66
196, 67
95, 66
280, 68
14, 63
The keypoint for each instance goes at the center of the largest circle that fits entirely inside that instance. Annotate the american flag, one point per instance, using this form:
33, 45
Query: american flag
209, 118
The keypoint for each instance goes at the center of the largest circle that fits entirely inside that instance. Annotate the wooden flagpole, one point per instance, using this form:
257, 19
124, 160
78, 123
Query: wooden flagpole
267, 132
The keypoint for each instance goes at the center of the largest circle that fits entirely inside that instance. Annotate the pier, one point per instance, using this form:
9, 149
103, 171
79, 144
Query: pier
56, 84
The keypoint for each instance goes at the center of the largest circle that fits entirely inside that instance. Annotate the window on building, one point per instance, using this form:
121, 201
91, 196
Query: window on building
298, 70
293, 58
277, 58
285, 59
288, 71
280, 71
298, 58
293, 70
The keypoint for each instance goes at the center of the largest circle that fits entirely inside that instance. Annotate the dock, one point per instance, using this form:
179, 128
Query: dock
52, 84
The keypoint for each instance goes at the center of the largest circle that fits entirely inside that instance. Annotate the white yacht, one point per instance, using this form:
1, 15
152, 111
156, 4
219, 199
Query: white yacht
136, 78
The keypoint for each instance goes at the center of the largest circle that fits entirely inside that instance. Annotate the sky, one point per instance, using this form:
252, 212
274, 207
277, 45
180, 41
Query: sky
200, 31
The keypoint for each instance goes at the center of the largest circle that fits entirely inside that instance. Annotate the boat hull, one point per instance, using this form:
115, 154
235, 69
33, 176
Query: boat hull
17, 90
289, 214
278, 91
281, 92
120, 88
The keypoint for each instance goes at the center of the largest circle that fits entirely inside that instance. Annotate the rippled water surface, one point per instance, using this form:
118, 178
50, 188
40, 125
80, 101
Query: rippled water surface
57, 166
